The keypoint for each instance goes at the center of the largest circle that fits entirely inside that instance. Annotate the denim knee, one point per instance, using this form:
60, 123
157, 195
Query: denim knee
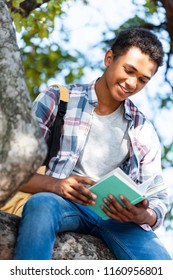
43, 201
44, 210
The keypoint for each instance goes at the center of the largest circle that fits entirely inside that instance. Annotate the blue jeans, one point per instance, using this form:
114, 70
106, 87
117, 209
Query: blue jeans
46, 214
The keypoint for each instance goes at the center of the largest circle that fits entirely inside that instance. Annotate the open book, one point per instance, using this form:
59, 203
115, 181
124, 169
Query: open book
118, 183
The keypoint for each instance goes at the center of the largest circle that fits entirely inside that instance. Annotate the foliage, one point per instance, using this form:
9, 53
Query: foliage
43, 58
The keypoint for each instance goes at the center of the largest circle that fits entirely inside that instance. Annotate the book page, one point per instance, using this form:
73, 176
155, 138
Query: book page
156, 189
152, 184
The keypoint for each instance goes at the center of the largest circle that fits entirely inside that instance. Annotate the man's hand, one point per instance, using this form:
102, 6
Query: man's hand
74, 188
139, 214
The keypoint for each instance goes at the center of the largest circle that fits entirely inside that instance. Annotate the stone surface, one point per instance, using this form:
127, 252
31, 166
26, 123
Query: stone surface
68, 246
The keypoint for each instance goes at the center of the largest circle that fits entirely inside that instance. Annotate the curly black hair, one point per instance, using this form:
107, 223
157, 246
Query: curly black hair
140, 38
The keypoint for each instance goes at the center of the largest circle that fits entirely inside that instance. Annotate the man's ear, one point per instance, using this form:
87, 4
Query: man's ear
108, 58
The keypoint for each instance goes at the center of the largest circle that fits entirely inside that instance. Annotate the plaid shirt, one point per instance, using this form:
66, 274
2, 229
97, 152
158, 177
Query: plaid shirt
145, 150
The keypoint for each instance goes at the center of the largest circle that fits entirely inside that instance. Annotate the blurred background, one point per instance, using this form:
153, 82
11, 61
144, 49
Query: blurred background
65, 41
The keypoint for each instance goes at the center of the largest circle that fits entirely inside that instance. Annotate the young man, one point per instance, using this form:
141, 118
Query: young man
102, 130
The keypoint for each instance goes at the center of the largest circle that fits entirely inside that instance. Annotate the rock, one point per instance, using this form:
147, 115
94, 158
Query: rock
8, 232
68, 246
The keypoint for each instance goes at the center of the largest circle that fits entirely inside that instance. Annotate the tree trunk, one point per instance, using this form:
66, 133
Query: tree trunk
22, 150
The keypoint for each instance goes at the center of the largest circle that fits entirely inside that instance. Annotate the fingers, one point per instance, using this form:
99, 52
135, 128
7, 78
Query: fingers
79, 190
117, 211
85, 180
82, 193
80, 199
129, 213
128, 206
145, 203
71, 188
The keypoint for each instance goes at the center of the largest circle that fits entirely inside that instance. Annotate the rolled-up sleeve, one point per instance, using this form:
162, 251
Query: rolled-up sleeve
45, 108
150, 165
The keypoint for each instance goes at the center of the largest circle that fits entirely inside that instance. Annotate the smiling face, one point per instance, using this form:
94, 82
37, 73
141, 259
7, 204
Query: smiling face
127, 74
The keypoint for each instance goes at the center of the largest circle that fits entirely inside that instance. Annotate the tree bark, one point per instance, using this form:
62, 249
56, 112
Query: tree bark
22, 150
168, 5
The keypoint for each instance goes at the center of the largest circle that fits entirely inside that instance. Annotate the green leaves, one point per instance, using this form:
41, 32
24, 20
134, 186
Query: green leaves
39, 20
150, 6
16, 3
42, 57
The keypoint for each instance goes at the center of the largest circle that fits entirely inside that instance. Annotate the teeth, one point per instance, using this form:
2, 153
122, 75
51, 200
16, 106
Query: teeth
125, 90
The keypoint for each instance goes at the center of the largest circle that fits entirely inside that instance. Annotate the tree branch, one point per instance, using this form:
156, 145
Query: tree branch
168, 6
26, 7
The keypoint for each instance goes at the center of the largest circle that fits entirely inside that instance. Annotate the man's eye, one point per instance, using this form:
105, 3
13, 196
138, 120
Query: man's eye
128, 71
143, 81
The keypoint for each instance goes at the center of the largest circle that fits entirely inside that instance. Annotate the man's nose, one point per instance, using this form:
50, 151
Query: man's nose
131, 83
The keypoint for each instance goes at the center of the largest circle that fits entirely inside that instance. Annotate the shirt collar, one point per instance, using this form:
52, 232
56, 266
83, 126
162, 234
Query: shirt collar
92, 97
129, 109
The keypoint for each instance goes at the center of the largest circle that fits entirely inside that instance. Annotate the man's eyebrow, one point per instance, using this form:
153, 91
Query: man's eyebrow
131, 66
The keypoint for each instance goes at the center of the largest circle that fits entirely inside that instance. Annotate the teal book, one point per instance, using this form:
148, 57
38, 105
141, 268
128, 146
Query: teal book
118, 183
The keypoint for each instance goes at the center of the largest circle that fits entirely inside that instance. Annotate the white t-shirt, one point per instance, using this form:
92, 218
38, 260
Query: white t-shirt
107, 145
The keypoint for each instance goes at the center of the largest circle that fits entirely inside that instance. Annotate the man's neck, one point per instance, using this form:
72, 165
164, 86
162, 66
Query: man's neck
106, 103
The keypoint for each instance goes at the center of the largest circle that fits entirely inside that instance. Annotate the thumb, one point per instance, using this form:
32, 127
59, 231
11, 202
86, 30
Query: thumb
145, 203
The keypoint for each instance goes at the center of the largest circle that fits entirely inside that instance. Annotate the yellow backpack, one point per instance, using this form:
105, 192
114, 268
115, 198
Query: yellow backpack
16, 203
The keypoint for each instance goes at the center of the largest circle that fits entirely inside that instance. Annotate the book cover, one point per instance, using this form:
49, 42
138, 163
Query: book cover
118, 183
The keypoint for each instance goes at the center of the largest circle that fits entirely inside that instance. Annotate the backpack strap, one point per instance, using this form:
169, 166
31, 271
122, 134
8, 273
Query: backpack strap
64, 93
53, 142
